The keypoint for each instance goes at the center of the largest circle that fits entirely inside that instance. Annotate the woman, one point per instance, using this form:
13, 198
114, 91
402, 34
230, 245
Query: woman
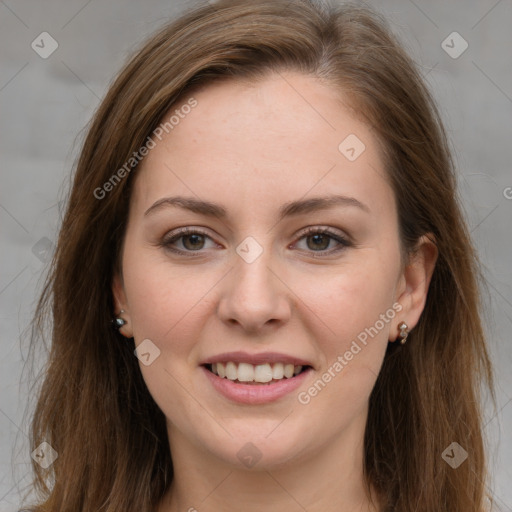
265, 207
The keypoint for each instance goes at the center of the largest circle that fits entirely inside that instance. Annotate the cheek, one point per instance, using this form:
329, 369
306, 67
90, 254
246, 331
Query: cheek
358, 308
168, 305
338, 304
356, 311
350, 301
163, 297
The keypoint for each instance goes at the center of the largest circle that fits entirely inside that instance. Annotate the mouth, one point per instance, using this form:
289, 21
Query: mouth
255, 379
256, 374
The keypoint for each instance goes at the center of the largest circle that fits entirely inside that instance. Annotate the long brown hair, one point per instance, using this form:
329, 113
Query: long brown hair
427, 394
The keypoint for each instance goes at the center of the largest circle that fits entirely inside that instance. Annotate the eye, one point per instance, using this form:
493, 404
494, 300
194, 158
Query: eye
321, 238
193, 240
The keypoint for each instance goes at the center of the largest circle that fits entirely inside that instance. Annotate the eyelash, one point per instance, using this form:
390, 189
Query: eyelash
183, 232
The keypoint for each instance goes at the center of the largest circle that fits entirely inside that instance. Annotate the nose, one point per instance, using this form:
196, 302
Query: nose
255, 296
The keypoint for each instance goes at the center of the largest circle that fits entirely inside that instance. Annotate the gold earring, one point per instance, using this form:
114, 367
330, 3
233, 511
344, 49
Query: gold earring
403, 332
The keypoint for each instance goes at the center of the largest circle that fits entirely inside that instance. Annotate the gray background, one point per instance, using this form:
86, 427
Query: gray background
45, 105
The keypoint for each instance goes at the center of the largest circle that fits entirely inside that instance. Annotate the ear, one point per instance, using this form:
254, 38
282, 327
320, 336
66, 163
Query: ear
415, 281
120, 304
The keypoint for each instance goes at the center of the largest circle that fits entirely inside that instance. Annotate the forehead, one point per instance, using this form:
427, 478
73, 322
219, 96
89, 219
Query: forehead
259, 145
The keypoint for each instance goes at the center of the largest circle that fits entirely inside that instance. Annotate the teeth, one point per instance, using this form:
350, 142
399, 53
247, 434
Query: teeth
277, 371
245, 372
262, 373
231, 371
288, 370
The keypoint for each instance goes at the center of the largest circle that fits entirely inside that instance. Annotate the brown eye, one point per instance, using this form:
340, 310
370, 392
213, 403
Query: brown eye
192, 240
196, 241
318, 240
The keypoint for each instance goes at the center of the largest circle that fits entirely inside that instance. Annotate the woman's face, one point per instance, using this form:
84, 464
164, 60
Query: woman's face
248, 285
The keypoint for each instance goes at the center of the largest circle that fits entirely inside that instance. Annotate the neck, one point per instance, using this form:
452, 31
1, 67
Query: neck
331, 479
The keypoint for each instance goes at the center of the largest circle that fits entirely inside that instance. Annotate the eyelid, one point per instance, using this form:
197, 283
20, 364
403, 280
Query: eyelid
324, 229
344, 240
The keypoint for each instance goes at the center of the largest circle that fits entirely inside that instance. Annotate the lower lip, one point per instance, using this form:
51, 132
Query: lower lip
255, 394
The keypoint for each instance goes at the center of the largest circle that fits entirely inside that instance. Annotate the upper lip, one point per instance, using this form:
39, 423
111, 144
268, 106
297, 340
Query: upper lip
255, 359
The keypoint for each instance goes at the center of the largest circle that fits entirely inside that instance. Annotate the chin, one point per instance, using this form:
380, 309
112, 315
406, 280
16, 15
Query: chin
261, 447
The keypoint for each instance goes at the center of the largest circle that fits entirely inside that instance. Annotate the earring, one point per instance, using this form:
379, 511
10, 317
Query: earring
118, 321
403, 332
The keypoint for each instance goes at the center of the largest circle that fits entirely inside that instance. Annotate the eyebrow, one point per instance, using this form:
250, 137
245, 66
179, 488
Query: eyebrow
289, 209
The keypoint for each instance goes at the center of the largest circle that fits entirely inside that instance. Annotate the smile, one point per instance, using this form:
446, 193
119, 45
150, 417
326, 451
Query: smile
266, 373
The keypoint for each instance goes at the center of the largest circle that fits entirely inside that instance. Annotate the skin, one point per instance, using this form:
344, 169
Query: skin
252, 148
